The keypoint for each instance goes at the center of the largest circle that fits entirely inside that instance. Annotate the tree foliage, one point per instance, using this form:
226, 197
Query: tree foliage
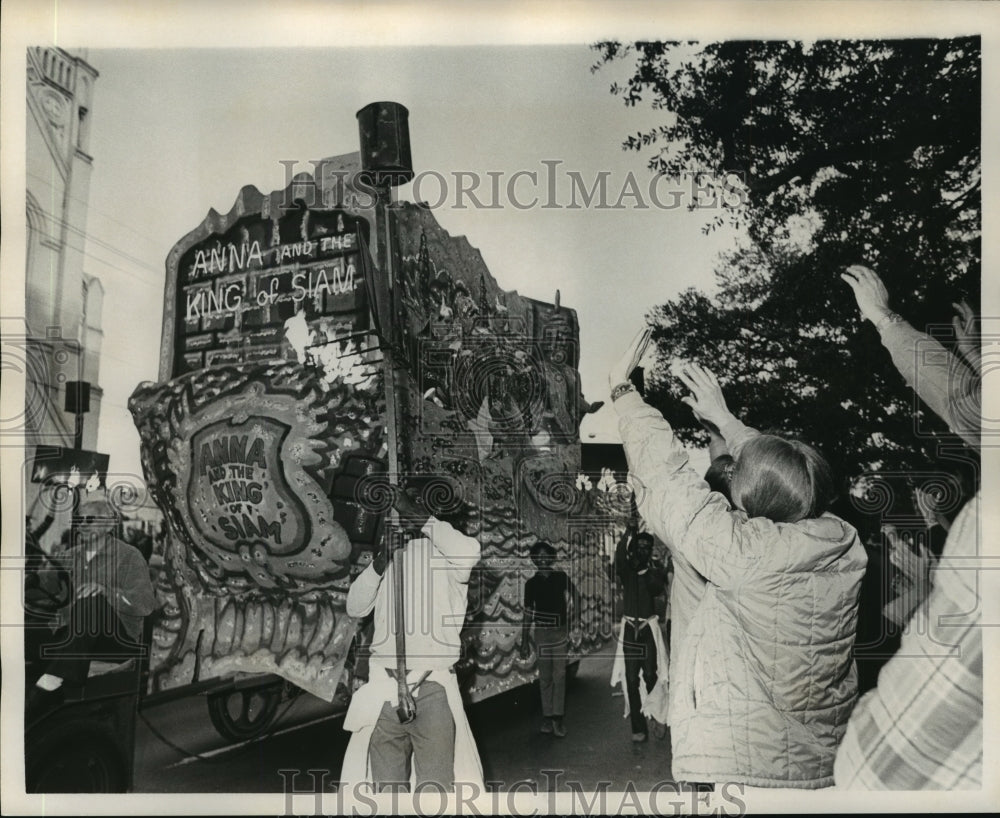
846, 152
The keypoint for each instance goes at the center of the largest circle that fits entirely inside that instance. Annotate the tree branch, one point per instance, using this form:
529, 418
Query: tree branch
810, 164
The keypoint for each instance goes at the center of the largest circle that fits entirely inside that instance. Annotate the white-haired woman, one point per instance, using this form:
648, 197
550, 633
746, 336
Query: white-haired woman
765, 678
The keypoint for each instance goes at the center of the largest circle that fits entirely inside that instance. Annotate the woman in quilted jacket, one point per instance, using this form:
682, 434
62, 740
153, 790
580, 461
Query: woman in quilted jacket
764, 677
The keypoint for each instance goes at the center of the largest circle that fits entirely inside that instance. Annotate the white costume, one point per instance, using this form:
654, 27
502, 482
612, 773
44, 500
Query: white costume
436, 569
656, 702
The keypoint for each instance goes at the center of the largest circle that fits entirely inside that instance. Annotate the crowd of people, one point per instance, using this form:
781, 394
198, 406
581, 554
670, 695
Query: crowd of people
767, 585
760, 684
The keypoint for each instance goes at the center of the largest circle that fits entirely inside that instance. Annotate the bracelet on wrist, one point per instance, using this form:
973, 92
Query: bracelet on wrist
889, 317
622, 389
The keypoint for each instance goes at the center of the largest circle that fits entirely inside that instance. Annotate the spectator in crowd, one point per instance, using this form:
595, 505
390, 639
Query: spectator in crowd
911, 560
922, 726
46, 584
765, 679
111, 594
913, 554
719, 475
928, 504
546, 599
640, 642
902, 549
437, 746
876, 639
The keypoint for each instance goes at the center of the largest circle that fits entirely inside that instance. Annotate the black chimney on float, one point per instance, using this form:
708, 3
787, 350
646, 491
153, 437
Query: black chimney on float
385, 143
385, 164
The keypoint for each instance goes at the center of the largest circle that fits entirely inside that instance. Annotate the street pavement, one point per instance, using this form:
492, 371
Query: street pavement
309, 735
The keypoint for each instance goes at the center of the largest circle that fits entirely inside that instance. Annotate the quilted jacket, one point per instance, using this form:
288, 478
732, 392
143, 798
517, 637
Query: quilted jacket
764, 679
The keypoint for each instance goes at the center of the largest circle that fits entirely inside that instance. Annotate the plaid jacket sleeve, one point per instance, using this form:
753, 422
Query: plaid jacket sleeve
949, 387
922, 726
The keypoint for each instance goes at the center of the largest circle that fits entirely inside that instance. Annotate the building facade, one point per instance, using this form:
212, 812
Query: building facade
63, 303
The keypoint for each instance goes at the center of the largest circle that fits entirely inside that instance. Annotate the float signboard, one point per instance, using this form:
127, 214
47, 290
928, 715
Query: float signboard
265, 441
270, 387
237, 290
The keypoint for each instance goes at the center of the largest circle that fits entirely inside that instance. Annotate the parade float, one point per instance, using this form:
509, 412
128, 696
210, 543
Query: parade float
293, 327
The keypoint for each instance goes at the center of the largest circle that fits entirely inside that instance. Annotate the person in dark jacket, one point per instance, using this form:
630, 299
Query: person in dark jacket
643, 579
111, 594
546, 597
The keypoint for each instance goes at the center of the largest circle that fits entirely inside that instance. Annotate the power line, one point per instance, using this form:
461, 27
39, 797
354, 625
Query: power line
149, 282
90, 235
96, 240
108, 216
157, 285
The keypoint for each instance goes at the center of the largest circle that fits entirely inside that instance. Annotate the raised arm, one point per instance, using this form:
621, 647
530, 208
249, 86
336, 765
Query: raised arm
361, 595
363, 591
620, 549
459, 550
950, 387
675, 501
709, 406
968, 335
716, 444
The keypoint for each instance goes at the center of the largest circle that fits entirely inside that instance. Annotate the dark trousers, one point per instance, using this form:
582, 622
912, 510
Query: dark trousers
428, 740
553, 651
640, 654
92, 631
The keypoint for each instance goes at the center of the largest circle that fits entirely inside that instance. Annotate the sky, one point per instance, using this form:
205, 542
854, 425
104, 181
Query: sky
176, 132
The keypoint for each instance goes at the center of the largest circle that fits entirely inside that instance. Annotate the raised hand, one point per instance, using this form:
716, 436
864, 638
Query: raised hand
630, 360
869, 291
967, 333
927, 505
706, 399
914, 565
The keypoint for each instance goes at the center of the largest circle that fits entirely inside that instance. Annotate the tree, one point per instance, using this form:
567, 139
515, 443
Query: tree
842, 152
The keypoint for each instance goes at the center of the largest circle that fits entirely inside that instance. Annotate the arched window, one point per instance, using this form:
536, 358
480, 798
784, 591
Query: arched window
81, 133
